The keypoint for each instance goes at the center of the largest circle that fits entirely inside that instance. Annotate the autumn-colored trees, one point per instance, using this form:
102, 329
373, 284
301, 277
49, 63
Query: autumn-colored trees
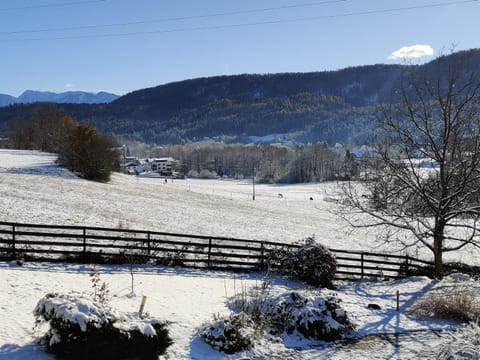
80, 147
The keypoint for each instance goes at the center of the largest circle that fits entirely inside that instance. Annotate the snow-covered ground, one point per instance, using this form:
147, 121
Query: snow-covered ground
39, 194
34, 190
190, 297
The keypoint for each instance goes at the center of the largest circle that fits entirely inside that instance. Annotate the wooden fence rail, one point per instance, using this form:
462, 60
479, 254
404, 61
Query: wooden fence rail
40, 242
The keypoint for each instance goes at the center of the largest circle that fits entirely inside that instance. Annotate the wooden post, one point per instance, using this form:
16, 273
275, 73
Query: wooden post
142, 306
209, 252
398, 300
14, 251
148, 245
84, 241
361, 265
262, 253
406, 264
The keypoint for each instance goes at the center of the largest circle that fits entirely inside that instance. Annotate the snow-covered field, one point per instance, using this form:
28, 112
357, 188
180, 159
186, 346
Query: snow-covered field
34, 190
45, 194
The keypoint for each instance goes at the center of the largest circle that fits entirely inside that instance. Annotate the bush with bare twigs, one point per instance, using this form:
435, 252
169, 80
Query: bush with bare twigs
456, 304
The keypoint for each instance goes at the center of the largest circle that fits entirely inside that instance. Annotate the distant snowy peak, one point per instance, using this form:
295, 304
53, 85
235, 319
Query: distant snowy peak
75, 97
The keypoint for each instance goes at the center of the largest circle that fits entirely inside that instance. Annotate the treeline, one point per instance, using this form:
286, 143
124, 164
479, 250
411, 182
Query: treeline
80, 147
301, 118
269, 163
329, 106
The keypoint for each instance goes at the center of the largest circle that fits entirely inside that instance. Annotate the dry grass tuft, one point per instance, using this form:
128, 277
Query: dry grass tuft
459, 305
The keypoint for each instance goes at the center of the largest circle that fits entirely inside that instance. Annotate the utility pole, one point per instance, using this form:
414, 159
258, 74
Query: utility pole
124, 158
253, 183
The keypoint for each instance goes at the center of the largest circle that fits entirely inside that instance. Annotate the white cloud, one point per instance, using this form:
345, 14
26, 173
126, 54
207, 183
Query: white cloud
412, 52
69, 86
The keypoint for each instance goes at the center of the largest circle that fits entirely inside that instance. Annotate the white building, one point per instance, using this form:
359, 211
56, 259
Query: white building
163, 166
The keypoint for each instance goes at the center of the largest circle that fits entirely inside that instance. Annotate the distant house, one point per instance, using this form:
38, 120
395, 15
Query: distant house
163, 166
130, 163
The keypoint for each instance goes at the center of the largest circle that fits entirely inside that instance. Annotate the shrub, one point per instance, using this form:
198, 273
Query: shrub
458, 305
203, 174
84, 329
229, 334
311, 262
89, 153
449, 268
317, 317
464, 345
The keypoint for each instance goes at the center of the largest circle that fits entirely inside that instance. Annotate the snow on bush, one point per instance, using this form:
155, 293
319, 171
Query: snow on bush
229, 334
203, 174
318, 317
311, 262
84, 329
465, 344
71, 309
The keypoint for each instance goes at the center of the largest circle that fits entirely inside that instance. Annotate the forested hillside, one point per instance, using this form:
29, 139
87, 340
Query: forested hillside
333, 106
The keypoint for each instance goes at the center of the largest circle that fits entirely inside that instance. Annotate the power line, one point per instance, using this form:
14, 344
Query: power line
40, 6
239, 25
182, 18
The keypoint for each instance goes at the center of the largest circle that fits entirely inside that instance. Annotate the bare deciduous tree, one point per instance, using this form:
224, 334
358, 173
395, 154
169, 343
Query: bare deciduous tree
428, 184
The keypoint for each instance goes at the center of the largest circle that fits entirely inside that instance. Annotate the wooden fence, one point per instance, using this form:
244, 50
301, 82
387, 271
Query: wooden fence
35, 242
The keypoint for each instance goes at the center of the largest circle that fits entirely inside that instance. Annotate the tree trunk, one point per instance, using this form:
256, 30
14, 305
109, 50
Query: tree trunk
438, 263
438, 251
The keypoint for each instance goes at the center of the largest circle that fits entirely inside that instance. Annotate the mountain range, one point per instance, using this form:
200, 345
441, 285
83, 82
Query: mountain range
74, 97
329, 106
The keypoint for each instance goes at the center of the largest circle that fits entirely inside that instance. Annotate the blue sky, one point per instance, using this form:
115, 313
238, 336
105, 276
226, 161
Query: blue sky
125, 45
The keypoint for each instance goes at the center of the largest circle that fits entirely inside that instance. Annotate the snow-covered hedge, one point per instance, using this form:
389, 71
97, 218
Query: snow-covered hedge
464, 345
229, 334
312, 263
84, 329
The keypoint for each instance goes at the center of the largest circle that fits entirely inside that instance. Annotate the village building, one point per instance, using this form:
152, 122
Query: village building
163, 166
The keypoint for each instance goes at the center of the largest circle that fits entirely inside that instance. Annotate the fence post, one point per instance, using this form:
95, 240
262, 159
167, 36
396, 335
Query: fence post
148, 245
84, 240
14, 251
209, 252
262, 253
406, 264
361, 264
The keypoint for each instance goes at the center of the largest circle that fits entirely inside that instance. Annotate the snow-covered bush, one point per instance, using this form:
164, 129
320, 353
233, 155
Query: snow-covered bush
459, 305
317, 317
311, 262
81, 328
229, 334
465, 344
203, 174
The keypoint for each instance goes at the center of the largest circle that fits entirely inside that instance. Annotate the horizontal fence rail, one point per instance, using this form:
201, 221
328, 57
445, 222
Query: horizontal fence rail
39, 242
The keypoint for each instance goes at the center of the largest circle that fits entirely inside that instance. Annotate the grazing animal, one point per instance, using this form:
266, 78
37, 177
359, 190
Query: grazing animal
280, 195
